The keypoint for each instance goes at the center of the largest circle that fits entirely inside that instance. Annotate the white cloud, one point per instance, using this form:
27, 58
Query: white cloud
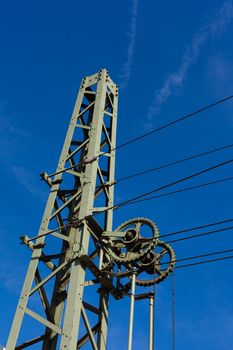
13, 141
11, 137
219, 69
127, 66
11, 270
213, 28
10, 277
28, 180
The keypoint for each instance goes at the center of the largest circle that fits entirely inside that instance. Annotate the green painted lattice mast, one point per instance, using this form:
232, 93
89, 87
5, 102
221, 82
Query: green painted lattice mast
77, 259
64, 270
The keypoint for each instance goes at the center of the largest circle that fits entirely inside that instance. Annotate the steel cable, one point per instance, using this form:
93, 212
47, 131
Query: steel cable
173, 163
173, 122
157, 189
184, 190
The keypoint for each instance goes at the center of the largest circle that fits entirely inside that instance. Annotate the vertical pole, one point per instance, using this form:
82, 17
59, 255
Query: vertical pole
131, 314
151, 321
173, 311
81, 236
102, 335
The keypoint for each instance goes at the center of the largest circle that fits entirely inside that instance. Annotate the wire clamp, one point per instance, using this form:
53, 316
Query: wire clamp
89, 160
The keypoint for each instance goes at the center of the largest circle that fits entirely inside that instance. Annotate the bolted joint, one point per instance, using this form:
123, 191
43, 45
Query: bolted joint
108, 184
39, 245
88, 160
58, 181
24, 239
44, 176
74, 223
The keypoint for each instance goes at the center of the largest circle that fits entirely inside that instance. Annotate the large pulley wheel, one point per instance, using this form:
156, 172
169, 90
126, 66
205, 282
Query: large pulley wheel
156, 265
136, 239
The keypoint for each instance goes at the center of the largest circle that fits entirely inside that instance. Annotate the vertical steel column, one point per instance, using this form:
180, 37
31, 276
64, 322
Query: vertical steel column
102, 335
81, 236
151, 321
131, 313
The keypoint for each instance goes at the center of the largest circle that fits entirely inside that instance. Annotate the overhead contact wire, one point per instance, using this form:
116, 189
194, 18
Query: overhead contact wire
173, 122
173, 163
204, 262
127, 202
154, 130
184, 190
200, 234
197, 227
197, 256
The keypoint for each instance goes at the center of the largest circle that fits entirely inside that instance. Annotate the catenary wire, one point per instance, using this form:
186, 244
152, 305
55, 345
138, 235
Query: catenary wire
172, 233
183, 190
197, 256
173, 122
201, 234
204, 262
173, 163
154, 168
197, 227
200, 110
157, 189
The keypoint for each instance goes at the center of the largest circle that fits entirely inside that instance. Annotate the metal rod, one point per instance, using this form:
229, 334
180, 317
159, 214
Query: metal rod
131, 315
100, 258
173, 311
151, 321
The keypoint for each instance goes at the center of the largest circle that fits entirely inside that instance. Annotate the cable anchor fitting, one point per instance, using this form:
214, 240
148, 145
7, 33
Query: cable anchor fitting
45, 176
89, 160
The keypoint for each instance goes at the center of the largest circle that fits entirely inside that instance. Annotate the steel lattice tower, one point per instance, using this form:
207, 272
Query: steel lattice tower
66, 254
78, 261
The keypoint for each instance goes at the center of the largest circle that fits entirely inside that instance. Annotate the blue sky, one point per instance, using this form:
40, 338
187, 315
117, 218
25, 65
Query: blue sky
169, 58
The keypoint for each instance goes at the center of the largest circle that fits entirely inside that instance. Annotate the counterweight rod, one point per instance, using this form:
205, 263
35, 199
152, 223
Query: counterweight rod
173, 311
131, 315
151, 321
